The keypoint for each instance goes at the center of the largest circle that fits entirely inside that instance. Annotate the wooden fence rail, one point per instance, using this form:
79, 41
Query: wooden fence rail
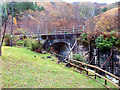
82, 65
85, 67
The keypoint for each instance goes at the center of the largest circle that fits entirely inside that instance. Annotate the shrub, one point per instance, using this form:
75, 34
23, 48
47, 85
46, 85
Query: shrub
30, 44
83, 40
79, 57
105, 41
20, 43
84, 36
7, 40
118, 44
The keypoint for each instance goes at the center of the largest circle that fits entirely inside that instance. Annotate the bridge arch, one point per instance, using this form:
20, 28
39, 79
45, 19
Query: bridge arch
61, 48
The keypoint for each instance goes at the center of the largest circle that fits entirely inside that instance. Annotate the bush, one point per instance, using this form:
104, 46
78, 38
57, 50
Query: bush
30, 44
7, 40
20, 43
84, 36
105, 41
79, 57
118, 44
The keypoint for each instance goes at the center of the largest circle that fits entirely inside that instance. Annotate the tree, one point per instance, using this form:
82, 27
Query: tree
98, 11
14, 8
104, 9
4, 15
113, 5
84, 10
0, 24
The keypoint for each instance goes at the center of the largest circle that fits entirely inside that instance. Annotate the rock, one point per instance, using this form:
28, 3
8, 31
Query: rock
65, 61
58, 61
48, 56
42, 57
68, 65
39, 50
44, 52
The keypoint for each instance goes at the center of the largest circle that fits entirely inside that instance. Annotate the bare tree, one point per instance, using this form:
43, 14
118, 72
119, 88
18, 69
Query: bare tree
84, 10
0, 25
4, 16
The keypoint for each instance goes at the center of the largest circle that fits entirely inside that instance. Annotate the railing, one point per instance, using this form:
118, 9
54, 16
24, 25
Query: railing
85, 67
66, 30
61, 30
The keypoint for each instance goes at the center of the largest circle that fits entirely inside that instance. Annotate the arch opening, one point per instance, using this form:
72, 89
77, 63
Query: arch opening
60, 48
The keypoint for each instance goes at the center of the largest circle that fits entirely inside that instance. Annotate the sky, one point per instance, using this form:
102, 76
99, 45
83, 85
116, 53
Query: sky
98, 1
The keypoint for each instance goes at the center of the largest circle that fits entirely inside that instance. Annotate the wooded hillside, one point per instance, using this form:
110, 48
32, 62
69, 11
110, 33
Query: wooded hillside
60, 14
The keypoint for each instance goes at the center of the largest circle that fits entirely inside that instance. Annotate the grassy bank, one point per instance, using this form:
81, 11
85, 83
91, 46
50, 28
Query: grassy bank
24, 68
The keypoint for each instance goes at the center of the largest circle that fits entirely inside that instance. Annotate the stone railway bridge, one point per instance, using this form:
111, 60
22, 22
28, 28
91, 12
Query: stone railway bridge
61, 44
63, 39
60, 39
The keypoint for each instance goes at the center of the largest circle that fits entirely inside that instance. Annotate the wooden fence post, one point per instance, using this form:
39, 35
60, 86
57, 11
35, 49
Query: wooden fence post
119, 83
74, 65
80, 67
95, 72
87, 70
105, 80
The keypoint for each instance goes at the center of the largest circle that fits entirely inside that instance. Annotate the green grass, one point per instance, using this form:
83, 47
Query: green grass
103, 81
21, 69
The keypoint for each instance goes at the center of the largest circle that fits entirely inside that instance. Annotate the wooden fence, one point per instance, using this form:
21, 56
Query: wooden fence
85, 67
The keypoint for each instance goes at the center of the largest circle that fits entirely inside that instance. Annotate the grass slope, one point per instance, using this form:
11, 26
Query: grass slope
21, 69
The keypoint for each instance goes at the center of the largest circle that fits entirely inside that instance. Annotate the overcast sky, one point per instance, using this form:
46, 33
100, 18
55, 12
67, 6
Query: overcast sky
99, 1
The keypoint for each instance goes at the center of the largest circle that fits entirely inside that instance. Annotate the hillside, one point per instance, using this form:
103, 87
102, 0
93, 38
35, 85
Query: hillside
107, 21
22, 68
61, 14
56, 14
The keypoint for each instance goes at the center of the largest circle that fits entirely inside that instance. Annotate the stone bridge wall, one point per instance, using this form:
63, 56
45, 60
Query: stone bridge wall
79, 48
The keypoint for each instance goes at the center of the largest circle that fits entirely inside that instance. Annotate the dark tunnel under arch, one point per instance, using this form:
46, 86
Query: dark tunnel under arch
61, 48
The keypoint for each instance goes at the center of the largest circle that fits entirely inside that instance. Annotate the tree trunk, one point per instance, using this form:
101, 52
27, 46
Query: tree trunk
0, 50
90, 53
4, 33
1, 42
